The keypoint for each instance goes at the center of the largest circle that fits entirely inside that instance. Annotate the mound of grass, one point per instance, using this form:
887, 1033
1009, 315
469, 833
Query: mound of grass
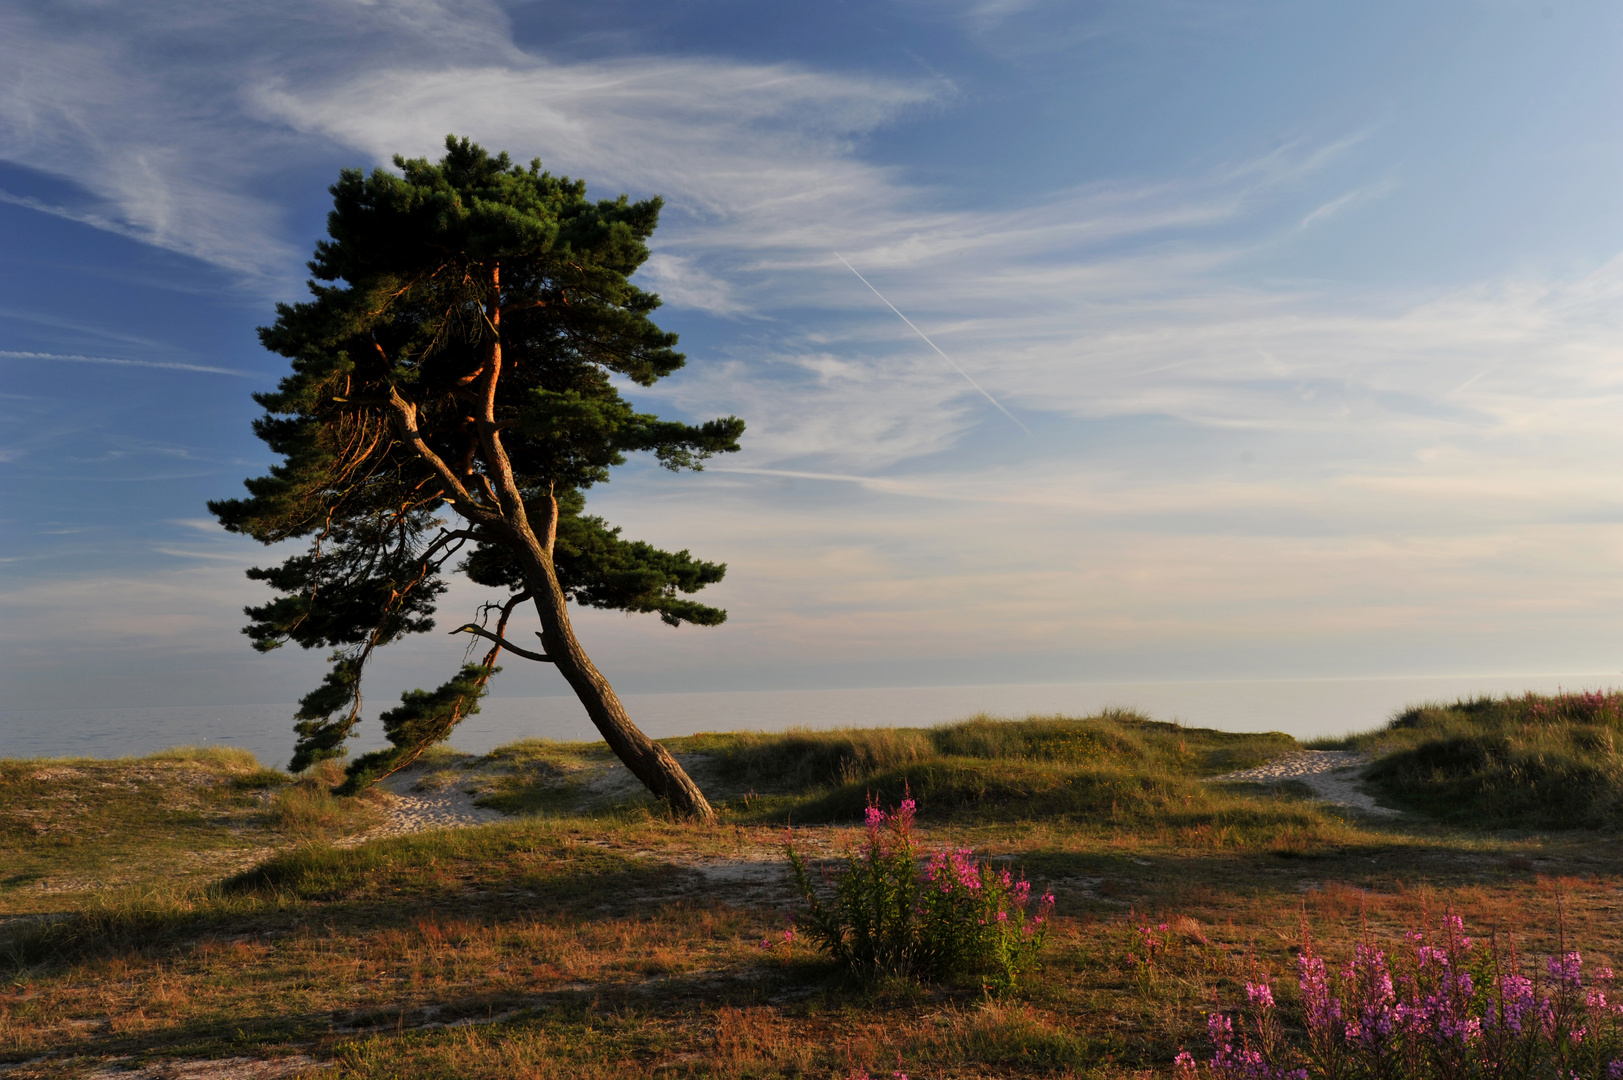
537, 776
1116, 739
1535, 761
1116, 766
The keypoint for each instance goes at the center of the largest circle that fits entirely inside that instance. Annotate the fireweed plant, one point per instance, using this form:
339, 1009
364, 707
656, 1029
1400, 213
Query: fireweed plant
891, 911
1440, 1007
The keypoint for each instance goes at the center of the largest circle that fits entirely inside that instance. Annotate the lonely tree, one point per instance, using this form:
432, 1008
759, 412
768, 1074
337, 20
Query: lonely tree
451, 400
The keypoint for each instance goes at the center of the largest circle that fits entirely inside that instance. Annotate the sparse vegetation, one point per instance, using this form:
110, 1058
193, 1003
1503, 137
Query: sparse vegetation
197, 906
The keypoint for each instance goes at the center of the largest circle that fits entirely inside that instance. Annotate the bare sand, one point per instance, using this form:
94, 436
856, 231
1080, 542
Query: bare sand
1333, 775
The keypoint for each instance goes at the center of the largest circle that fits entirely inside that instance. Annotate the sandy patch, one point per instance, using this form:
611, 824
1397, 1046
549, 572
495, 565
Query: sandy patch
237, 1068
441, 794
615, 783
745, 882
59, 773
612, 783
426, 798
1333, 775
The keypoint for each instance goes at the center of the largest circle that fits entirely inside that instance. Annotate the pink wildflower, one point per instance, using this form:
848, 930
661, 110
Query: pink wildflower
1323, 1009
902, 820
1566, 970
1260, 995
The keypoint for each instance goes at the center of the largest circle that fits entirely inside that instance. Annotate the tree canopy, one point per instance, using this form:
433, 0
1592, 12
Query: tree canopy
452, 398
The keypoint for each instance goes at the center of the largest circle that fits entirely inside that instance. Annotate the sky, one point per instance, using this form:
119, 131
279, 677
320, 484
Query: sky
1254, 339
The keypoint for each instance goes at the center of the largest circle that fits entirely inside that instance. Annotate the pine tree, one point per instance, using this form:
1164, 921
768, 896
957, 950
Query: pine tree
451, 395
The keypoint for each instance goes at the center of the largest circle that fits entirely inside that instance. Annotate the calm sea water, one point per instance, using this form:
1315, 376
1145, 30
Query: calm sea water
1306, 708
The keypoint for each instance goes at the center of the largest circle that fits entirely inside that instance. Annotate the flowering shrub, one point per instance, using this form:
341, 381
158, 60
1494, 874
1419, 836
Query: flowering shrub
959, 916
1448, 1008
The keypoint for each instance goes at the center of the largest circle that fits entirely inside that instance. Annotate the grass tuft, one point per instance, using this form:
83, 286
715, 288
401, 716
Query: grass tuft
221, 757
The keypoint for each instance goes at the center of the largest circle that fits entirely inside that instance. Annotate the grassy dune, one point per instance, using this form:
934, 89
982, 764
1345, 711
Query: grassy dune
200, 910
1532, 762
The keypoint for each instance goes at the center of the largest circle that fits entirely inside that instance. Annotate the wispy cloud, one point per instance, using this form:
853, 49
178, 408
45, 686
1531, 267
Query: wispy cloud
1416, 457
83, 217
1344, 202
1112, 299
679, 282
162, 365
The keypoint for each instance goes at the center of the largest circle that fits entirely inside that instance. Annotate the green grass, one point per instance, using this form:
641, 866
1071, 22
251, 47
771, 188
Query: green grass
1117, 763
1529, 762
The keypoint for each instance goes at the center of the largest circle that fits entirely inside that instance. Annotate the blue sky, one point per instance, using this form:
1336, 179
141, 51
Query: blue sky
1310, 317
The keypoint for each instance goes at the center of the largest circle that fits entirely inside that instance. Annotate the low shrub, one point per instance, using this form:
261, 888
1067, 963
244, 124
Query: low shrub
962, 916
1444, 1007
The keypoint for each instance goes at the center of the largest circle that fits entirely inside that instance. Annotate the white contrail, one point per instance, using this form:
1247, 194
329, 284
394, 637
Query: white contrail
933, 345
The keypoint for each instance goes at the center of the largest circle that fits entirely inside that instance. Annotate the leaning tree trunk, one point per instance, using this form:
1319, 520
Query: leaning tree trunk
648, 761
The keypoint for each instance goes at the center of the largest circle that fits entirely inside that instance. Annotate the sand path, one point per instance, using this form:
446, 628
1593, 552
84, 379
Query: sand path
1332, 774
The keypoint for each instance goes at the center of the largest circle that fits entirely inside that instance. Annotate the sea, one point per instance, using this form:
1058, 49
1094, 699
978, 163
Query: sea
1305, 708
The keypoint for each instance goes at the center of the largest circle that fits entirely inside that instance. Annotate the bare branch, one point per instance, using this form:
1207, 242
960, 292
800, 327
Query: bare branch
474, 628
405, 417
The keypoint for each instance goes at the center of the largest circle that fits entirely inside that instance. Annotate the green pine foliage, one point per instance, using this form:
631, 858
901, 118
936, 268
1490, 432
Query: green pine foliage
401, 310
598, 569
423, 718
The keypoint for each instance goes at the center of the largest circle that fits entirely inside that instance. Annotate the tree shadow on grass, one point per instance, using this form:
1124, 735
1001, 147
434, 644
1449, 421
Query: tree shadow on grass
235, 1034
505, 875
1295, 875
